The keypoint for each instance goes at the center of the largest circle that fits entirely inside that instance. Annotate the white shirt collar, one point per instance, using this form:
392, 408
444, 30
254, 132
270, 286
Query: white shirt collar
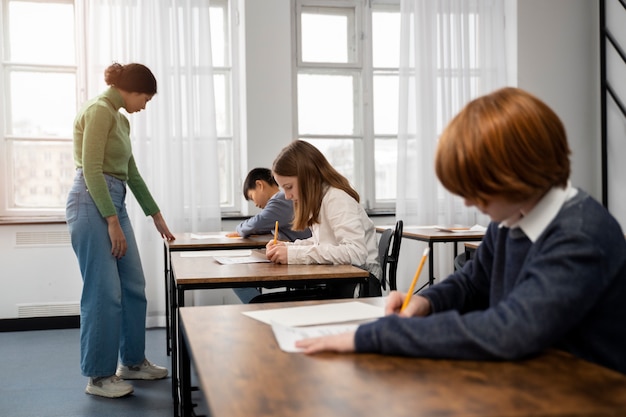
536, 221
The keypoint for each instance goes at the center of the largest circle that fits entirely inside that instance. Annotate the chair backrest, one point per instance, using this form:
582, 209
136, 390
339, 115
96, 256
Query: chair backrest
390, 238
383, 254
395, 255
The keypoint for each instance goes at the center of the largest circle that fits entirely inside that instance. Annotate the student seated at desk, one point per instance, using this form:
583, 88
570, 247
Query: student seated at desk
260, 187
550, 271
325, 202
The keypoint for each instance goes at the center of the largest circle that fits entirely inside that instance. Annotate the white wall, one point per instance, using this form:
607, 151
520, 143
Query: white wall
559, 61
557, 56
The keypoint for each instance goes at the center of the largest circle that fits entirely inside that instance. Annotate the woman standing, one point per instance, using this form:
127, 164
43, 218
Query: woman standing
113, 301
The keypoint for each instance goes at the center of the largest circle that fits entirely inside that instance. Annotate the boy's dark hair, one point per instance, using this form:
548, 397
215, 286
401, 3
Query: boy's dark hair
262, 174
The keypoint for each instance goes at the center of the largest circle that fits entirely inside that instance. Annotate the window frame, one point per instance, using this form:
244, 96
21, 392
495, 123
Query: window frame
230, 140
363, 137
9, 138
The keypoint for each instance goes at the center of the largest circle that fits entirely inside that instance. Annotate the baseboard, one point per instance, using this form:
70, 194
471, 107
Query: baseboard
39, 323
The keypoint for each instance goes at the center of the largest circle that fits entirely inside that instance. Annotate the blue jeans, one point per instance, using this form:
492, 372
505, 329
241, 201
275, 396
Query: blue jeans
113, 301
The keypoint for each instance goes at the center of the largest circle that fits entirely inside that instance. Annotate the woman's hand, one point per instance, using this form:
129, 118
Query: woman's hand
233, 234
342, 343
277, 252
418, 306
116, 234
161, 226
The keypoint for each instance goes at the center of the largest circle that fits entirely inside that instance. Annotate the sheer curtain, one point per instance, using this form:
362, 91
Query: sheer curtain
451, 51
174, 139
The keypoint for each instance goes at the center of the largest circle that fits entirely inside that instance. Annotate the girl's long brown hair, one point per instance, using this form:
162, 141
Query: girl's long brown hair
314, 173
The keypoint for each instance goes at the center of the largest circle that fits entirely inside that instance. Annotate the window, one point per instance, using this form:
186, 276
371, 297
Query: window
225, 87
347, 66
39, 95
42, 85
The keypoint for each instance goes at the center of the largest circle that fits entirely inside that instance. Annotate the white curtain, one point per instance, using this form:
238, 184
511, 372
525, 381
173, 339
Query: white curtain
174, 139
451, 52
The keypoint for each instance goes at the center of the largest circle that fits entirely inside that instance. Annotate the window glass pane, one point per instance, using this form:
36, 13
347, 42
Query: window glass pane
386, 38
42, 173
386, 158
42, 104
386, 104
326, 104
41, 32
218, 36
340, 153
223, 120
328, 35
225, 157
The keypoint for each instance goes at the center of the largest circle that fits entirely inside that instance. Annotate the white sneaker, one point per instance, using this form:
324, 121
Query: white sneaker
108, 386
145, 370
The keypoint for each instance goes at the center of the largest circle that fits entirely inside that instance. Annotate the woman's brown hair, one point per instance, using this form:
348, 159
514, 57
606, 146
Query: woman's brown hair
133, 78
507, 143
314, 174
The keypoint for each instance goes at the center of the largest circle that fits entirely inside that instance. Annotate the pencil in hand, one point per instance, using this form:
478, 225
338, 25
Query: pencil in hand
276, 232
415, 278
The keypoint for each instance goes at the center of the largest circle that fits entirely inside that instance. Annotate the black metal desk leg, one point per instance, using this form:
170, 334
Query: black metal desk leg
431, 264
166, 267
174, 351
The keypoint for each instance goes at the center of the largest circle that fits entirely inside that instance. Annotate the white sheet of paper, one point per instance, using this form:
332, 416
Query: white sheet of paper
231, 260
476, 228
286, 336
319, 314
218, 235
206, 253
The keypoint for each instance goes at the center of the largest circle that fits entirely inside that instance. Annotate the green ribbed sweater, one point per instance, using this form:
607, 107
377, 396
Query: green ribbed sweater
102, 146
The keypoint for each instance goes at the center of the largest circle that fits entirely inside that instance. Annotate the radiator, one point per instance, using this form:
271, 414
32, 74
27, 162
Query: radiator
48, 309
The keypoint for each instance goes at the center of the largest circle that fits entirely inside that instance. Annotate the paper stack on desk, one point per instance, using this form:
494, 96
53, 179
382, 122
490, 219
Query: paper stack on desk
294, 323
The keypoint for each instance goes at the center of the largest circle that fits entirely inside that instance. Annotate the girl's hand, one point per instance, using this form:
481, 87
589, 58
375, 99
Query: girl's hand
161, 226
418, 306
277, 253
116, 234
232, 234
342, 343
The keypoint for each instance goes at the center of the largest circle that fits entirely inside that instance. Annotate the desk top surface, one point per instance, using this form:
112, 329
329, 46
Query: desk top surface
215, 240
242, 372
431, 234
198, 270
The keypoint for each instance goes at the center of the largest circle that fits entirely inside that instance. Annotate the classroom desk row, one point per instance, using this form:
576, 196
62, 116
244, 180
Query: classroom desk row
242, 372
186, 242
189, 242
432, 236
201, 271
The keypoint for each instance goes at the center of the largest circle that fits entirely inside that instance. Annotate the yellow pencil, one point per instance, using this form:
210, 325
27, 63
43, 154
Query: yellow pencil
276, 232
417, 274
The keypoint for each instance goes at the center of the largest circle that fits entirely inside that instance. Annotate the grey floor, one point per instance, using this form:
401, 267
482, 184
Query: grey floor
40, 377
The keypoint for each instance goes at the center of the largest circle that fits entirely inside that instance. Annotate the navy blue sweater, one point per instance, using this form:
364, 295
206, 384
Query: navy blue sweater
515, 298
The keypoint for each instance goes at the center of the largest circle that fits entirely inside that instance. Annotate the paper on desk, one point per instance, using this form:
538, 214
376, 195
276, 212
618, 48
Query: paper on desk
212, 236
205, 253
232, 260
318, 314
455, 229
286, 336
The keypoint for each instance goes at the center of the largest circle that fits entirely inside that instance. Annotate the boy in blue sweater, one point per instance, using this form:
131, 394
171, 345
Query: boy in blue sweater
551, 270
260, 187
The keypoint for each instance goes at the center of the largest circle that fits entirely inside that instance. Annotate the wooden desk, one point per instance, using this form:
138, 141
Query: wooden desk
432, 236
205, 273
242, 372
184, 242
